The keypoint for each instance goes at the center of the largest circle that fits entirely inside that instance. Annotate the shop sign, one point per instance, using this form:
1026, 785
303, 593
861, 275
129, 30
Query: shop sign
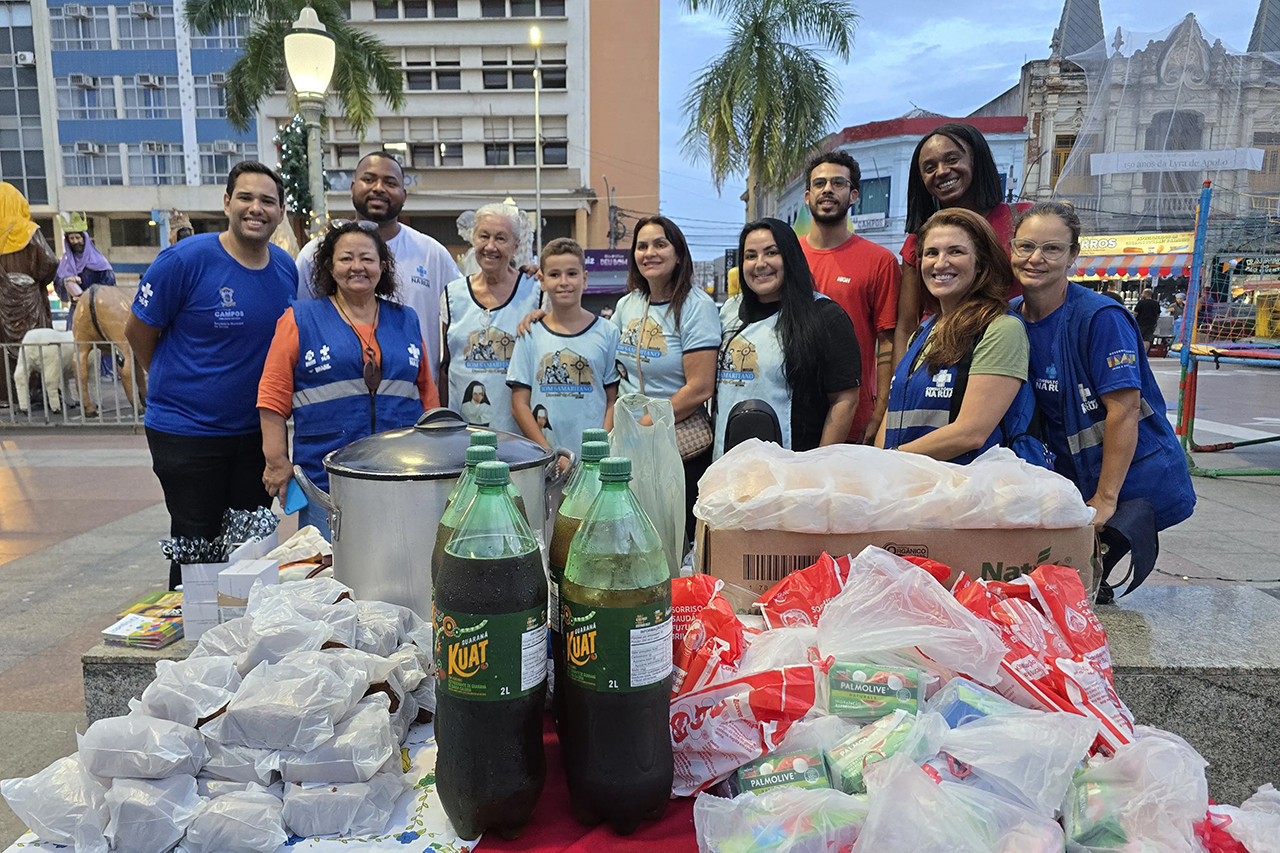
1138, 244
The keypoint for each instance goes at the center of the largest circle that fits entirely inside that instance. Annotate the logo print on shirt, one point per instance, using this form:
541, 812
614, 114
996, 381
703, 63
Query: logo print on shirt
1123, 357
941, 381
415, 355
145, 294
648, 334
309, 360
565, 373
489, 349
1050, 381
228, 297
1087, 403
324, 353
737, 363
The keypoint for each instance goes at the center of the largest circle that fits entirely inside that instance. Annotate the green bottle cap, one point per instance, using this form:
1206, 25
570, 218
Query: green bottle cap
478, 453
594, 434
594, 451
615, 469
493, 473
484, 437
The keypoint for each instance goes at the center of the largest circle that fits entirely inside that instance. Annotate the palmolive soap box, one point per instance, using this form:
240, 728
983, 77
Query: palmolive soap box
867, 691
798, 769
850, 758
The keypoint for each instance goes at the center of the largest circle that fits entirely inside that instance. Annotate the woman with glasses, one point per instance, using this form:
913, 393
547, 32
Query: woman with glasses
478, 318
961, 386
952, 166
1103, 413
345, 365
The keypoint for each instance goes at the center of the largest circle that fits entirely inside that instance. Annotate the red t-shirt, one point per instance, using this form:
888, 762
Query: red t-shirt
863, 278
1001, 219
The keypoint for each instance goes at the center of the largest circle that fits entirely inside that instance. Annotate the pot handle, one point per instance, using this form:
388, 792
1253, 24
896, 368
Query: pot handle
555, 476
438, 417
319, 497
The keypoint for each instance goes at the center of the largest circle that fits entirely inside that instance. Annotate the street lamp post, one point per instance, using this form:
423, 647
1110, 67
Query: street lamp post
535, 39
309, 55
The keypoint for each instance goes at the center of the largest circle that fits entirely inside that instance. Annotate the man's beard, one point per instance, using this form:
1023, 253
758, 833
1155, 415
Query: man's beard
392, 212
828, 219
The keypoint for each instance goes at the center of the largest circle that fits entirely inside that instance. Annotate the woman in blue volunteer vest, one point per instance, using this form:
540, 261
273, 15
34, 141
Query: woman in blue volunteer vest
786, 344
345, 365
1104, 415
961, 386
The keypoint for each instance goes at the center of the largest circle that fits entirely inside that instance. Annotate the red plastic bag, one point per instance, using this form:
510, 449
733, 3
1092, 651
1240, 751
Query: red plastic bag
941, 573
706, 632
1213, 834
799, 598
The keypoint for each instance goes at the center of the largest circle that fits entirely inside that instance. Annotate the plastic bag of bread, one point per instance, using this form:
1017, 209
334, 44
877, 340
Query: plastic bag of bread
360, 745
316, 808
62, 804
190, 691
236, 763
377, 627
209, 787
280, 629
141, 747
150, 815
248, 821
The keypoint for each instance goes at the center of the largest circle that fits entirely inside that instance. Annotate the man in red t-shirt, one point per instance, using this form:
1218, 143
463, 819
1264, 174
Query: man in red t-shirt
862, 277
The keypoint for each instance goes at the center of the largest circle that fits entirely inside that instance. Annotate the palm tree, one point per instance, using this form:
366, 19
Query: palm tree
765, 102
363, 62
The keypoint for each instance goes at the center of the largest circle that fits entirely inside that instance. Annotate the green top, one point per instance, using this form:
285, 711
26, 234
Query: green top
478, 453
1003, 349
615, 469
484, 437
492, 473
594, 434
594, 451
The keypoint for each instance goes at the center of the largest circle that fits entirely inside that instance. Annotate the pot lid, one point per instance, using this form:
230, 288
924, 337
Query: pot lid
433, 448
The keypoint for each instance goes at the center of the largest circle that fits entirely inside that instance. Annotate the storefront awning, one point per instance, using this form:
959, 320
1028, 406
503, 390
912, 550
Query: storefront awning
1132, 265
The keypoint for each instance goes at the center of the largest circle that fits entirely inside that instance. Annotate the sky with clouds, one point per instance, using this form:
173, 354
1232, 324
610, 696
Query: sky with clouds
945, 57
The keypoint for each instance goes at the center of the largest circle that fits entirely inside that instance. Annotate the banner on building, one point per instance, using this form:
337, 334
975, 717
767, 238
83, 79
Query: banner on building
1137, 244
1120, 162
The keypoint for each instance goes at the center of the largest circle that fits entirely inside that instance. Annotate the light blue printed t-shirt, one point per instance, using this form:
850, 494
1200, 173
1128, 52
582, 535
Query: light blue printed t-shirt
480, 342
662, 347
566, 375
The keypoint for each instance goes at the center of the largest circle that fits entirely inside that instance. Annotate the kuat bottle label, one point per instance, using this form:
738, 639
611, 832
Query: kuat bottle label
490, 657
617, 649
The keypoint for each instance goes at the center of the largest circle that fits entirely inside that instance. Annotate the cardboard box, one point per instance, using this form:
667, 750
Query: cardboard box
757, 559
235, 581
200, 585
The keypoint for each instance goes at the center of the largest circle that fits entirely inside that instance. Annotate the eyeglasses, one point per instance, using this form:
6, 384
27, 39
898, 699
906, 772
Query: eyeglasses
836, 183
1053, 250
362, 224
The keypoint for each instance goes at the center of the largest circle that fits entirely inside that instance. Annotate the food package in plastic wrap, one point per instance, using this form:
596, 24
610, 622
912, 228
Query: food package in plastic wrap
150, 815
62, 804
141, 747
780, 820
355, 808
248, 821
716, 730
321, 591
230, 639
209, 787
280, 629
377, 627
846, 488
236, 763
190, 691
360, 745
707, 635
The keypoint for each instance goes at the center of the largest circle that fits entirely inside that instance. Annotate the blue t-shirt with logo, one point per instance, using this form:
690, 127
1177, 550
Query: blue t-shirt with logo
566, 376
216, 319
1113, 366
662, 346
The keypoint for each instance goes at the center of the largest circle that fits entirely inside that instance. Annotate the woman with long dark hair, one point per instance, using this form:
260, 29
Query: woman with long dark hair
670, 334
786, 344
962, 386
952, 166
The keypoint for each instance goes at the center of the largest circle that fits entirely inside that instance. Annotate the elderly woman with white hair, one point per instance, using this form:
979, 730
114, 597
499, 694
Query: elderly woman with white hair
479, 315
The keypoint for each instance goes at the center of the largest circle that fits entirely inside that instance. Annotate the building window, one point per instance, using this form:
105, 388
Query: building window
88, 29
493, 8
520, 8
497, 154
553, 75
448, 81
553, 8
151, 96
495, 79
450, 154
89, 164
423, 155
445, 8
211, 96
346, 156
873, 197
417, 81
526, 154
152, 30
81, 96
1178, 130
1062, 146
156, 164
228, 35
217, 158
1269, 178
555, 153
524, 8
133, 232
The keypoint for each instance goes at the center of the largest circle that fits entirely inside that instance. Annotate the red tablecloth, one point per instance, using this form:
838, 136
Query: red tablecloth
555, 829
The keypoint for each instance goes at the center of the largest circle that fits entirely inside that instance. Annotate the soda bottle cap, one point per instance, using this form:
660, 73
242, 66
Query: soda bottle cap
484, 437
594, 434
478, 453
615, 468
493, 473
594, 451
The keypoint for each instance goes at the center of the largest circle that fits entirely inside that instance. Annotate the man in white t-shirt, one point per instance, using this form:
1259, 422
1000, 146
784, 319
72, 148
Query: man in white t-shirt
423, 266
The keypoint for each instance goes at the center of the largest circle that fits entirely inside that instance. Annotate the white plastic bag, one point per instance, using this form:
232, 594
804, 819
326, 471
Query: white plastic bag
191, 690
141, 747
781, 820
249, 821
150, 815
311, 590
360, 745
776, 649
210, 788
62, 804
658, 472
236, 763
377, 627
356, 808
279, 629
889, 605
226, 640
847, 488
1256, 824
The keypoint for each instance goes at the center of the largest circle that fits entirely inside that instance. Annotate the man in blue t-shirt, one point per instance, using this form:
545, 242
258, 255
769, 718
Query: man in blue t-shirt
201, 326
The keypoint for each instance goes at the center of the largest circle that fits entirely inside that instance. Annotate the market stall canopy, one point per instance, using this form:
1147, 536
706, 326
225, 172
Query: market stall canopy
1132, 265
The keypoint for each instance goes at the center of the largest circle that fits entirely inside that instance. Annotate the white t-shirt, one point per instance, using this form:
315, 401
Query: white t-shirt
423, 268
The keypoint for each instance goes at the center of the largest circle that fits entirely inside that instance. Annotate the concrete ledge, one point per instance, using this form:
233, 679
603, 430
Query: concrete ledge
115, 674
1203, 662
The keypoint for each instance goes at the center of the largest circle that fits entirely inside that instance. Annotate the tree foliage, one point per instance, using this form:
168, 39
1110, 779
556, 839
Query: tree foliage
363, 67
762, 105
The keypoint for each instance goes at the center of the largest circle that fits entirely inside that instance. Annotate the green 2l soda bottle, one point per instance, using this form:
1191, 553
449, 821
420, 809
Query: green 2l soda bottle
578, 499
460, 498
489, 617
615, 602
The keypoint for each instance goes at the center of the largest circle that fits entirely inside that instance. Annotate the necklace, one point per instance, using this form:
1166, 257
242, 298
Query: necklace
365, 345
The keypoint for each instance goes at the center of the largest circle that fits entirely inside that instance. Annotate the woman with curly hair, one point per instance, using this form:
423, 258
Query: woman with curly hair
345, 365
961, 386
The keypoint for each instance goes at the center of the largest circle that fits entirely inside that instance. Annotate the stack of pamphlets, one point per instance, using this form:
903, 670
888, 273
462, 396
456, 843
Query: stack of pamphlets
153, 622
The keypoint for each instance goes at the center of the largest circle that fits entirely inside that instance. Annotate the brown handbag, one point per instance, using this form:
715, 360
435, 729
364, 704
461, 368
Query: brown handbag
694, 434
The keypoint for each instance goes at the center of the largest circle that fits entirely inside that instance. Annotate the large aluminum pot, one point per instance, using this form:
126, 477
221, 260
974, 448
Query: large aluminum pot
387, 493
